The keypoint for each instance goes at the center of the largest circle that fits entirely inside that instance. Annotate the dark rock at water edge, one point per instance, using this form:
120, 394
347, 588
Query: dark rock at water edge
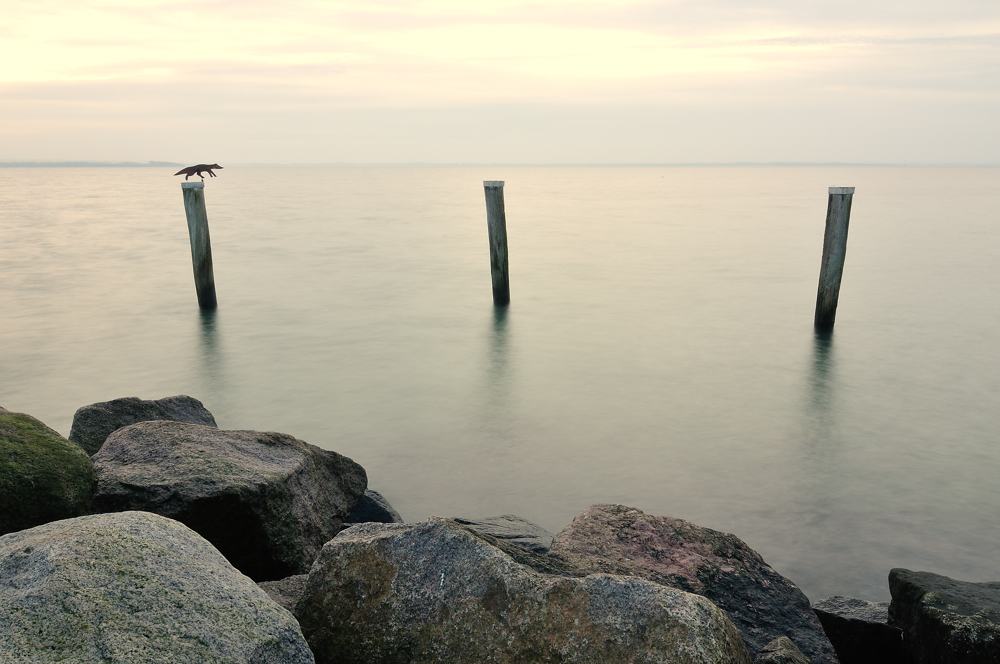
266, 500
513, 529
859, 631
373, 507
944, 620
134, 587
781, 651
439, 591
94, 423
763, 605
43, 476
287, 591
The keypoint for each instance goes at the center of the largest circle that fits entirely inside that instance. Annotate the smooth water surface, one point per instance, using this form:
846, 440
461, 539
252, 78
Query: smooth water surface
658, 351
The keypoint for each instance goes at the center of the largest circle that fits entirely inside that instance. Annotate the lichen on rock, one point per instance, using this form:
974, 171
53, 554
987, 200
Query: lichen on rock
134, 587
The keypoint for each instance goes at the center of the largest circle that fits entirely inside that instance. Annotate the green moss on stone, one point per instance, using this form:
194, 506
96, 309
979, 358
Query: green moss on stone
43, 476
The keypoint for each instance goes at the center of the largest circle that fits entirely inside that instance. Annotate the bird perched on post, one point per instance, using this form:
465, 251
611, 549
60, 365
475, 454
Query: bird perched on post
198, 170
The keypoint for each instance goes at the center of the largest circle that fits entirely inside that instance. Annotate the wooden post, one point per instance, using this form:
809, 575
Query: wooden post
496, 222
838, 214
201, 244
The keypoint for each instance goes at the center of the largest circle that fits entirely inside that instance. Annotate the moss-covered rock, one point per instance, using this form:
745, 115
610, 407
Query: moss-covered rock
43, 476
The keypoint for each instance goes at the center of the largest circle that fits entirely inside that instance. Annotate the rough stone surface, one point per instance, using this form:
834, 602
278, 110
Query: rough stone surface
763, 605
859, 631
134, 587
440, 592
513, 529
944, 620
94, 423
373, 507
267, 501
781, 651
287, 591
43, 476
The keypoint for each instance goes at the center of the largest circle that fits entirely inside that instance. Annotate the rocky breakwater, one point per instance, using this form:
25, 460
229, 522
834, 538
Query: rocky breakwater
267, 501
134, 587
439, 591
43, 476
762, 604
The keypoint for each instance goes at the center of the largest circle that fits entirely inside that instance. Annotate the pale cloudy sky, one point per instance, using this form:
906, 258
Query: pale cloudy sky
542, 81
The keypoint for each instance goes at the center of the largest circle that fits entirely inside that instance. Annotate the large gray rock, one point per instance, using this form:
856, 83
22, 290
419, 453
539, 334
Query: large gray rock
859, 631
440, 592
944, 620
94, 423
373, 507
763, 605
513, 529
267, 501
43, 476
134, 587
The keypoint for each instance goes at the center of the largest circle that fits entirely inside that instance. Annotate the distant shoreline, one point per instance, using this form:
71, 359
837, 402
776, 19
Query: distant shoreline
84, 164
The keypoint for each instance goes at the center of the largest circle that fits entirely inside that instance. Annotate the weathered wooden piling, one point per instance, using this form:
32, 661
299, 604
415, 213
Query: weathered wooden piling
201, 244
838, 214
496, 222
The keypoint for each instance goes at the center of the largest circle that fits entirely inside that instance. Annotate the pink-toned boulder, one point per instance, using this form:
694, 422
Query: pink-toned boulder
762, 604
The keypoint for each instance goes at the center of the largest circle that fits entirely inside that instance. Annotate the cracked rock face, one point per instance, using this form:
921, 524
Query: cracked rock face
944, 620
762, 604
266, 500
134, 587
439, 591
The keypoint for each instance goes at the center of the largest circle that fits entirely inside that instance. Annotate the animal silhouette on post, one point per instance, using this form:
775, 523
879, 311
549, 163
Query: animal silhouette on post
198, 170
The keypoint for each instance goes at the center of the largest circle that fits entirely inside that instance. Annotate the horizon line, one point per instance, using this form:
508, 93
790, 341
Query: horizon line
424, 164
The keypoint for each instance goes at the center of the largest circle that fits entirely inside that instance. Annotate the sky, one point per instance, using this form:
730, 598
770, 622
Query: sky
543, 81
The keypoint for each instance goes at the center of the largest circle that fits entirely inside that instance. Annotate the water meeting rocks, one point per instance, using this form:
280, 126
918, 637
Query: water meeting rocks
373, 507
134, 587
859, 631
94, 423
266, 500
43, 476
439, 591
944, 620
513, 529
763, 605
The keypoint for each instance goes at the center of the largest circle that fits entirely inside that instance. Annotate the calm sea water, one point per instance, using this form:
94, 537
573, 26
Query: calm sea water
658, 351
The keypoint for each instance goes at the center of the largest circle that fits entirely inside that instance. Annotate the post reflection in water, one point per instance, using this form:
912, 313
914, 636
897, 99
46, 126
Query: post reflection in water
822, 444
497, 374
821, 378
210, 364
